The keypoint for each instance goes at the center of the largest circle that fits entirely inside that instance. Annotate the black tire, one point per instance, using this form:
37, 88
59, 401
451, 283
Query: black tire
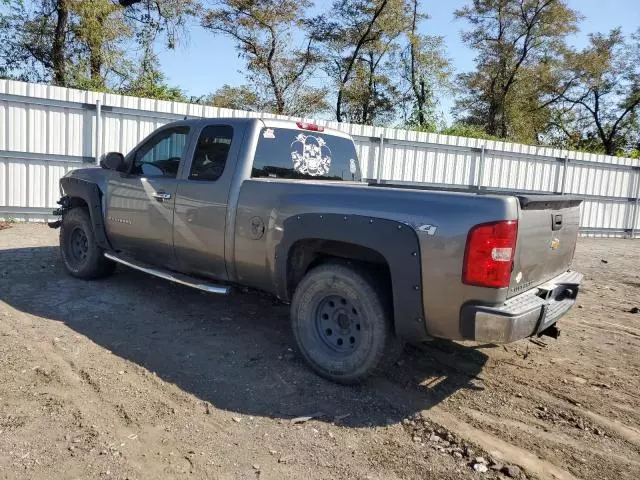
81, 254
340, 324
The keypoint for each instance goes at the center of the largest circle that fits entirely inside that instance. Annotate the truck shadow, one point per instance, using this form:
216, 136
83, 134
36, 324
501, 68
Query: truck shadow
235, 352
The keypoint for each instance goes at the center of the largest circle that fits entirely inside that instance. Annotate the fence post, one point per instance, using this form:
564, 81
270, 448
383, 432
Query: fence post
481, 169
564, 174
636, 206
380, 158
98, 131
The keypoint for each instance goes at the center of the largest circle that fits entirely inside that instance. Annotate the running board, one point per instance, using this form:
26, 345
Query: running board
169, 275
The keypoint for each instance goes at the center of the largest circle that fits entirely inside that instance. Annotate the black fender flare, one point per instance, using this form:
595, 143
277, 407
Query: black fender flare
92, 196
397, 242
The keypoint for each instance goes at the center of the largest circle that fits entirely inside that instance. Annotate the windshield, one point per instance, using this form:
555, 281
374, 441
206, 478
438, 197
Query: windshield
295, 153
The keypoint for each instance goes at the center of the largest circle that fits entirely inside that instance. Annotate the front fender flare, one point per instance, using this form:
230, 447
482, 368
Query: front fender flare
91, 194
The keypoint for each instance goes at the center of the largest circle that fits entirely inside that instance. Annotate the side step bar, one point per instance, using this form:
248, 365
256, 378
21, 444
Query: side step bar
169, 275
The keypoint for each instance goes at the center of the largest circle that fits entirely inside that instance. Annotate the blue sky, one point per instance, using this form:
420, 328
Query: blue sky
206, 62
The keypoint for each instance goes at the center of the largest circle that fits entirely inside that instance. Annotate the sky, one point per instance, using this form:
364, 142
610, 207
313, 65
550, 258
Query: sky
205, 62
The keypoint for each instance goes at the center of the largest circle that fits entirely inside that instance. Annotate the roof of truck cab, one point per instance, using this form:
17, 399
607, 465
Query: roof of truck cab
276, 123
267, 122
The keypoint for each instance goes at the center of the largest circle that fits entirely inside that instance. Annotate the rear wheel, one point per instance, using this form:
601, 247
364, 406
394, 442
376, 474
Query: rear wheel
340, 323
81, 254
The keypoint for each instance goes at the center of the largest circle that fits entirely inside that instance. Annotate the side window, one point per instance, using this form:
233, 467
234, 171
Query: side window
211, 153
161, 155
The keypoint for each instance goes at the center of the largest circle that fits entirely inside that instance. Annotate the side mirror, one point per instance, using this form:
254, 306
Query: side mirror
113, 161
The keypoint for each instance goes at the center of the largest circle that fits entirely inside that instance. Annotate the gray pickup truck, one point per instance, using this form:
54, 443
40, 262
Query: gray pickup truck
280, 206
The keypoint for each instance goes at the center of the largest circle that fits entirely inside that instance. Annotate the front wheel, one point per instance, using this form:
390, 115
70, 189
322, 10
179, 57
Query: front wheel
340, 324
81, 254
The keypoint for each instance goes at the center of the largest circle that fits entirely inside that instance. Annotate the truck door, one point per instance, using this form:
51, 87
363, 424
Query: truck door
202, 200
140, 203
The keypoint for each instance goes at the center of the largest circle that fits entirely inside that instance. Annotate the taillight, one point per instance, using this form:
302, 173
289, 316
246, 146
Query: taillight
488, 258
310, 126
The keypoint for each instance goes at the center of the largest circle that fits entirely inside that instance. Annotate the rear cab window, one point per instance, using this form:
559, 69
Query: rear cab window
212, 150
294, 153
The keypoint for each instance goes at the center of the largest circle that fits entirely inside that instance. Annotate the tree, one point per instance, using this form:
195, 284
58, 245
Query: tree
424, 70
58, 63
512, 38
358, 42
465, 130
161, 17
264, 33
31, 37
150, 82
236, 98
370, 96
99, 31
597, 104
85, 43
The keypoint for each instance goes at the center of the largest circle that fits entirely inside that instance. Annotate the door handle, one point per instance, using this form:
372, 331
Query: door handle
162, 196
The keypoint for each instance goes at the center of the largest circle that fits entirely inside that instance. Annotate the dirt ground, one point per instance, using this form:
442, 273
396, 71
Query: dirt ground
134, 377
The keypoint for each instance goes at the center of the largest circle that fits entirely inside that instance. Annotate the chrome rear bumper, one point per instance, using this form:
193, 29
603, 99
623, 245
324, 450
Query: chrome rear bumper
527, 314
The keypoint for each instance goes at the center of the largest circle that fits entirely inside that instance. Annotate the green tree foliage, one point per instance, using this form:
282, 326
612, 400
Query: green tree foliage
148, 81
27, 37
370, 95
99, 31
424, 73
515, 41
382, 67
596, 105
237, 98
466, 130
278, 71
358, 37
167, 18
90, 44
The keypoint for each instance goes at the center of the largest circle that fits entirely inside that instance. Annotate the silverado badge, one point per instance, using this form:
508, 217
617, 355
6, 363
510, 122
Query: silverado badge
555, 243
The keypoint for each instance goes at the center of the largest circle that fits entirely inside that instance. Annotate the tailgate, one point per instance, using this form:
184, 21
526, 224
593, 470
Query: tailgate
547, 235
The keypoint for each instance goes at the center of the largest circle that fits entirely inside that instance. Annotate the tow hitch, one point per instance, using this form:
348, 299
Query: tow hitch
553, 331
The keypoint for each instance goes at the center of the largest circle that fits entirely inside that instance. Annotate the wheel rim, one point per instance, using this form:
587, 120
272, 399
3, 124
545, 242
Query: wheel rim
78, 246
338, 324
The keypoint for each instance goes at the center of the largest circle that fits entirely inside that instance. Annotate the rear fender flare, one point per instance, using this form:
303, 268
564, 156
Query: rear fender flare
397, 242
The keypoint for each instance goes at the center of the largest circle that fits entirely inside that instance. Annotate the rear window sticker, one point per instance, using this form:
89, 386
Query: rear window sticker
311, 155
268, 133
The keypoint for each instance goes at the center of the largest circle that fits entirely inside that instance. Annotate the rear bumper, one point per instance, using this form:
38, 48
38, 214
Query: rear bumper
524, 315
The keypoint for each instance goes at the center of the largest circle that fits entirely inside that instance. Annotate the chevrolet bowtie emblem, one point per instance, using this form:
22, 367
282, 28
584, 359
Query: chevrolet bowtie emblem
555, 243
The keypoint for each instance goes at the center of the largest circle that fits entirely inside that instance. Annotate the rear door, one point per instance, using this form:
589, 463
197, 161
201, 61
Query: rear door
547, 234
202, 199
140, 203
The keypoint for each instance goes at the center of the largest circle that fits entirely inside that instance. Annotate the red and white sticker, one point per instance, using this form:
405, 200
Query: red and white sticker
268, 133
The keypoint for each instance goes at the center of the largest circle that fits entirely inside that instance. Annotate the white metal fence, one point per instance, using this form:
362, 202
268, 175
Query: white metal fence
46, 131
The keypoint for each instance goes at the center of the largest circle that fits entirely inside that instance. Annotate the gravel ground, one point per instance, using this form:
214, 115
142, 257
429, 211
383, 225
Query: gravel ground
133, 377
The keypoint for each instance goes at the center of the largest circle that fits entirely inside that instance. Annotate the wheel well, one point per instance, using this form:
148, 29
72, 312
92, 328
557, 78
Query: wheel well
309, 253
75, 202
